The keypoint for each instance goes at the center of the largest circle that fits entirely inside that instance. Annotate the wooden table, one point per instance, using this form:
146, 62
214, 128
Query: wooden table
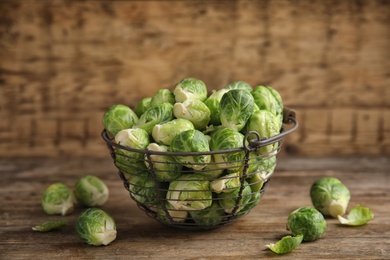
140, 237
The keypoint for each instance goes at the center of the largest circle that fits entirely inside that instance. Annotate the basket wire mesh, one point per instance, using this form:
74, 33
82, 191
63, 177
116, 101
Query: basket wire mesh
211, 196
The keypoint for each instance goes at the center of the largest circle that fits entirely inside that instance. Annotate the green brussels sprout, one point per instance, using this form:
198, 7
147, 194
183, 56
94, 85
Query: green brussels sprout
165, 167
330, 196
210, 217
158, 113
91, 191
191, 141
119, 117
239, 85
190, 88
58, 199
228, 200
211, 171
236, 107
164, 133
212, 102
266, 125
226, 183
226, 139
190, 192
143, 189
264, 169
96, 227
307, 221
193, 110
177, 216
142, 106
128, 161
267, 98
163, 95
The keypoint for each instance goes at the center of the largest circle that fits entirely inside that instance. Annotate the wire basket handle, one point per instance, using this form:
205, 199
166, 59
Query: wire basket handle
289, 117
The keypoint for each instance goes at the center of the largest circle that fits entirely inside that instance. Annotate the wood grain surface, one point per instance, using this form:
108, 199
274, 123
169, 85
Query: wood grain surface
140, 237
62, 63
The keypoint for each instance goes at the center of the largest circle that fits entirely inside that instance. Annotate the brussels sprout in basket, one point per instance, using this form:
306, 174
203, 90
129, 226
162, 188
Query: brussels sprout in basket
197, 161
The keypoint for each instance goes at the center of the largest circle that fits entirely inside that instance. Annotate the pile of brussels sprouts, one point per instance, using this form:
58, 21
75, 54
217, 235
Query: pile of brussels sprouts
181, 150
94, 226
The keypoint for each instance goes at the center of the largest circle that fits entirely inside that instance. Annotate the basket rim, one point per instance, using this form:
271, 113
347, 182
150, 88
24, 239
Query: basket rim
290, 118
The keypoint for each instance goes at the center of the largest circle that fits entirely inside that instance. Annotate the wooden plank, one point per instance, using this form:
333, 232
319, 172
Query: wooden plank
142, 237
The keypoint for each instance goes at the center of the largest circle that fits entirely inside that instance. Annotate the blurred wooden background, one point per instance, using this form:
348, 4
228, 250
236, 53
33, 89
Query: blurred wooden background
62, 63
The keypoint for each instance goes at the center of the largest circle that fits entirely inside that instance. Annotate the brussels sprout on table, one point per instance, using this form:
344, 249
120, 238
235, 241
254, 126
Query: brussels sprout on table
96, 227
226, 139
158, 113
330, 196
91, 191
190, 88
236, 107
307, 221
212, 102
191, 141
119, 117
193, 110
190, 192
165, 167
163, 95
58, 199
164, 133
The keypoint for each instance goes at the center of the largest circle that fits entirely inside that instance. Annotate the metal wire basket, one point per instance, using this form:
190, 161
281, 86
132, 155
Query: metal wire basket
199, 199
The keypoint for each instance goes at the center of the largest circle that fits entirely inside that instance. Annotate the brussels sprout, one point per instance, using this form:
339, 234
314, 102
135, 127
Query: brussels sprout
119, 117
129, 161
211, 171
226, 183
96, 227
142, 106
265, 167
58, 199
239, 85
164, 133
307, 221
193, 110
212, 102
267, 98
190, 192
177, 216
229, 200
330, 196
91, 191
210, 217
143, 189
190, 88
50, 225
358, 216
191, 141
165, 167
266, 125
163, 95
236, 107
226, 139
158, 113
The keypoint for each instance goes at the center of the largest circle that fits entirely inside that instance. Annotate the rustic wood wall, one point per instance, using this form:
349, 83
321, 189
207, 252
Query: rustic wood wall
62, 63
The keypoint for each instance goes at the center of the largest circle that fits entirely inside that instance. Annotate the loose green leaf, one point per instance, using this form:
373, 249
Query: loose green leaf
50, 225
286, 244
358, 216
